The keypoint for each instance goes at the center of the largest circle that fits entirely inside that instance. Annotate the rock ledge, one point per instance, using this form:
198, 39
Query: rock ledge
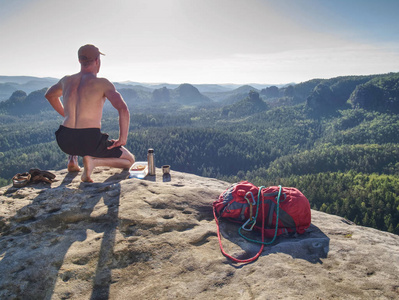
126, 238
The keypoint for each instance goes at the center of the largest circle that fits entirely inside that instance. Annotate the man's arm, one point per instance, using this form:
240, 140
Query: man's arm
124, 116
53, 95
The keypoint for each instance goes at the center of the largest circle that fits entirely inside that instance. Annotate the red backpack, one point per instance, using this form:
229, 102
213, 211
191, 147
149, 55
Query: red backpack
272, 210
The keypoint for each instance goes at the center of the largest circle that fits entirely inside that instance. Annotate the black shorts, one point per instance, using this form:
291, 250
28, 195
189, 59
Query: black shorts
85, 141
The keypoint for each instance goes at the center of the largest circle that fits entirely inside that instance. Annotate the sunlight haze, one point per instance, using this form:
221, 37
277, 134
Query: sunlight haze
202, 41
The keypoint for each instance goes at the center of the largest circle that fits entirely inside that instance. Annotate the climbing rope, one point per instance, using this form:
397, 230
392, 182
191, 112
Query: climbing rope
252, 220
263, 219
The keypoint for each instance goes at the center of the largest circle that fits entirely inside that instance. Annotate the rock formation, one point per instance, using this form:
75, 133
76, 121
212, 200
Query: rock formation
188, 94
122, 238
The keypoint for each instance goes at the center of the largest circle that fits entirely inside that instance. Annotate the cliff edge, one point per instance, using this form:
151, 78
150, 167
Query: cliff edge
156, 238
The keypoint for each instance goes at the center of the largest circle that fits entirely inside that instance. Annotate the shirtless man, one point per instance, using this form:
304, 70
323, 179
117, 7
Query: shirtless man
84, 95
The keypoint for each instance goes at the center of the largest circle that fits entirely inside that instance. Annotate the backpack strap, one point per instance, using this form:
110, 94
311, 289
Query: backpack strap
272, 207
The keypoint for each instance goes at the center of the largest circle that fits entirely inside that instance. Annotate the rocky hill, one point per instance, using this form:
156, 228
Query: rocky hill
185, 94
21, 104
122, 238
248, 106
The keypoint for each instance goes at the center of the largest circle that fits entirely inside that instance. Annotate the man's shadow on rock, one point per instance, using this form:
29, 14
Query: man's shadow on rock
312, 246
107, 224
40, 234
69, 177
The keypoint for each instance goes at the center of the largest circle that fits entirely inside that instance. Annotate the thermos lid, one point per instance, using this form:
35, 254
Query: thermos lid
150, 150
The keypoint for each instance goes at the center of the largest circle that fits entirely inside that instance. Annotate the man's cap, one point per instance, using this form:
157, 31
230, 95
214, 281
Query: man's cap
88, 53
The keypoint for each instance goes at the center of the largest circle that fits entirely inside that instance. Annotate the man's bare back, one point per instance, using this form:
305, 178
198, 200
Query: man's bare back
83, 99
84, 96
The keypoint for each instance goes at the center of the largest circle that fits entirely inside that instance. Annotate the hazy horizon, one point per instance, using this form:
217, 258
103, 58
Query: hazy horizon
224, 84
202, 42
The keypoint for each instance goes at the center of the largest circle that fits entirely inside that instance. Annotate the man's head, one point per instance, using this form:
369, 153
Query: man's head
88, 54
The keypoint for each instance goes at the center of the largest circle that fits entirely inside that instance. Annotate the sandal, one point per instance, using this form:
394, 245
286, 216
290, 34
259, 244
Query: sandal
35, 172
39, 175
21, 179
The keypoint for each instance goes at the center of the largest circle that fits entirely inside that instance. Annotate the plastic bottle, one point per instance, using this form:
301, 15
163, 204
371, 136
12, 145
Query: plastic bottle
151, 162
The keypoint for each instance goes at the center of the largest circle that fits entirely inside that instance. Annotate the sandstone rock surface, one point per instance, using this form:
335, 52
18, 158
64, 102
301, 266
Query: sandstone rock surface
123, 238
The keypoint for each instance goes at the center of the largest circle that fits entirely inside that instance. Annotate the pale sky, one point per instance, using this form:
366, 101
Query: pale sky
202, 41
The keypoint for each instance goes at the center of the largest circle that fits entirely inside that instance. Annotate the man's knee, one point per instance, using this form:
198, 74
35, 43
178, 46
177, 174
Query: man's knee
132, 159
127, 155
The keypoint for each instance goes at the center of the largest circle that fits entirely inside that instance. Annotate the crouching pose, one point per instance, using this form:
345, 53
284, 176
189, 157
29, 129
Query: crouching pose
84, 95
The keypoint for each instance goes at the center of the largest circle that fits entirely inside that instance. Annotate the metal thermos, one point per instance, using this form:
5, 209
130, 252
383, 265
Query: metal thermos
151, 162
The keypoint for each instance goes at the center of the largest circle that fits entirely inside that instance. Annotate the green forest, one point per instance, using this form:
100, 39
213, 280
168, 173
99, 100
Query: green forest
337, 140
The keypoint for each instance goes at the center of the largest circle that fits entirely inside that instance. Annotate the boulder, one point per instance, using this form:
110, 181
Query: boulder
126, 238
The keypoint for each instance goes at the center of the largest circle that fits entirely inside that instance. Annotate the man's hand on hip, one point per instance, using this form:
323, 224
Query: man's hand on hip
116, 143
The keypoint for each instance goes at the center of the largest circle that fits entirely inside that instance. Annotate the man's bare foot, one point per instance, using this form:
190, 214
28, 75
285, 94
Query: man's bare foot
88, 164
73, 165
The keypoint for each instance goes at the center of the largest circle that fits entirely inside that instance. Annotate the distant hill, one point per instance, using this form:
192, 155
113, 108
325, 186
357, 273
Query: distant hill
136, 87
250, 105
380, 93
375, 92
185, 94
203, 88
151, 86
232, 96
211, 88
20, 103
28, 84
25, 79
227, 93
188, 94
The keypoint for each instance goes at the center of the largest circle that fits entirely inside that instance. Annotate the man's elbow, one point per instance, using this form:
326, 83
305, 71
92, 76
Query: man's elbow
49, 98
124, 110
49, 95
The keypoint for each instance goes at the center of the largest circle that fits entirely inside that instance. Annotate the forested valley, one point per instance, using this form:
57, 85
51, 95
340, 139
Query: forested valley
337, 140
